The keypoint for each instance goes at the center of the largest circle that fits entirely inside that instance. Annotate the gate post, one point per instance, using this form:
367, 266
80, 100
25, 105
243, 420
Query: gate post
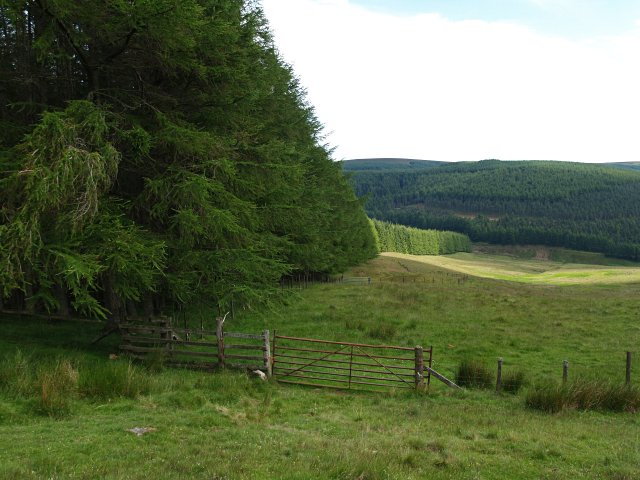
419, 367
220, 338
267, 353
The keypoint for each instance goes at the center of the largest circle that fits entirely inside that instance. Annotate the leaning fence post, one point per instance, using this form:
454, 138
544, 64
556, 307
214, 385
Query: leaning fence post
499, 376
565, 371
419, 368
267, 353
220, 338
628, 376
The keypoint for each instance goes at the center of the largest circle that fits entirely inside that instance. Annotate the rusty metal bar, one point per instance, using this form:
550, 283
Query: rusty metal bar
350, 365
387, 369
349, 376
339, 352
332, 367
319, 359
343, 362
344, 343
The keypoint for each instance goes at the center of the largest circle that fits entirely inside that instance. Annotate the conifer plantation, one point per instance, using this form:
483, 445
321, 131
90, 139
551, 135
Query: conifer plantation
415, 241
572, 205
159, 153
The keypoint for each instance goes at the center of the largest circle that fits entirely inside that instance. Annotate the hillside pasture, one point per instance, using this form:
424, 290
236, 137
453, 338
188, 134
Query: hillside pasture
541, 271
229, 425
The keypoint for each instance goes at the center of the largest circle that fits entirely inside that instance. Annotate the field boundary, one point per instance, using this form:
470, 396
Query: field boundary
346, 365
196, 348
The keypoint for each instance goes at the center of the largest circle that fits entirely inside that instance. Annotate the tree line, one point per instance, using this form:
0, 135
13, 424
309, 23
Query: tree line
159, 153
402, 239
580, 206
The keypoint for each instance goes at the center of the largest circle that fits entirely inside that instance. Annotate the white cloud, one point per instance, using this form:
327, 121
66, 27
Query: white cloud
426, 87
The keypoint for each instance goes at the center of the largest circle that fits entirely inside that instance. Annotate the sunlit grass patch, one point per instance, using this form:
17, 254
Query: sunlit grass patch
531, 270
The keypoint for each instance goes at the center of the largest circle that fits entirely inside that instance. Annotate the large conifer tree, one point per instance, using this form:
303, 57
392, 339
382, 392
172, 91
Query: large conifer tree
159, 151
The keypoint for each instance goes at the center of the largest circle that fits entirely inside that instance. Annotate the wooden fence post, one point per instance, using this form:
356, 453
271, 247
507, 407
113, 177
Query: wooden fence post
273, 351
220, 338
499, 376
628, 375
267, 353
419, 368
565, 371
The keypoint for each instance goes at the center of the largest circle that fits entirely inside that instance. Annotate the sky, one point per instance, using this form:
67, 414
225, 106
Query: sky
468, 79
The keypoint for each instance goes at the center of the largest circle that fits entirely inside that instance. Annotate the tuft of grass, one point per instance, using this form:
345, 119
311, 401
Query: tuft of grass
474, 374
103, 380
354, 324
17, 375
58, 387
383, 331
583, 394
513, 381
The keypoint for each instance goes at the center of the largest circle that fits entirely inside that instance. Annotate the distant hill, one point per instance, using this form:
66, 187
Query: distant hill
624, 165
593, 207
388, 164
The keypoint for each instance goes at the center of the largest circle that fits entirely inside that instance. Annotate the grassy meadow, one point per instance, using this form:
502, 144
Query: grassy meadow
65, 408
543, 266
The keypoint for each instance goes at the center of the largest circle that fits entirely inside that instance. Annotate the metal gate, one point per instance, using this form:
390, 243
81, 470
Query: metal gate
342, 365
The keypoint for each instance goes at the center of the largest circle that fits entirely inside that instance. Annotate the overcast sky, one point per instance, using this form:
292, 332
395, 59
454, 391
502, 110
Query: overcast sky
468, 79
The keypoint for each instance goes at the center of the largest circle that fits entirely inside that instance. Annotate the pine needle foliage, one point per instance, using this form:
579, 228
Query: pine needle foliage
398, 238
163, 155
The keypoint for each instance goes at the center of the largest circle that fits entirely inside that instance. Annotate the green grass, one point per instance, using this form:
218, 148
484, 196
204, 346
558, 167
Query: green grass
583, 394
228, 425
474, 374
535, 271
560, 269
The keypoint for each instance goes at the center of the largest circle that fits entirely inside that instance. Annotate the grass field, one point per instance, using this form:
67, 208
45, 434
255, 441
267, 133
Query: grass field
557, 268
227, 425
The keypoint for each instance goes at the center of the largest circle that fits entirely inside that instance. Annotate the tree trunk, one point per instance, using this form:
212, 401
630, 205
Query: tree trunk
148, 311
112, 300
63, 300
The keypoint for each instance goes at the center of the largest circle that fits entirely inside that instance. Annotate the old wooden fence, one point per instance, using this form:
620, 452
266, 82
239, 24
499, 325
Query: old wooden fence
196, 348
322, 363
300, 361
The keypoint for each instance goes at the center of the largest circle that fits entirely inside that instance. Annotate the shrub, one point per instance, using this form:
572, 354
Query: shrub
474, 374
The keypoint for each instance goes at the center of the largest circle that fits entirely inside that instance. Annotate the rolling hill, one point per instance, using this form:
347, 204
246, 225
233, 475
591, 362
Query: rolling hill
575, 205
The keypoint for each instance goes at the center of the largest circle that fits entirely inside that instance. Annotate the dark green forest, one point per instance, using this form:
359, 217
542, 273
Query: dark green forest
388, 164
415, 241
159, 154
580, 206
